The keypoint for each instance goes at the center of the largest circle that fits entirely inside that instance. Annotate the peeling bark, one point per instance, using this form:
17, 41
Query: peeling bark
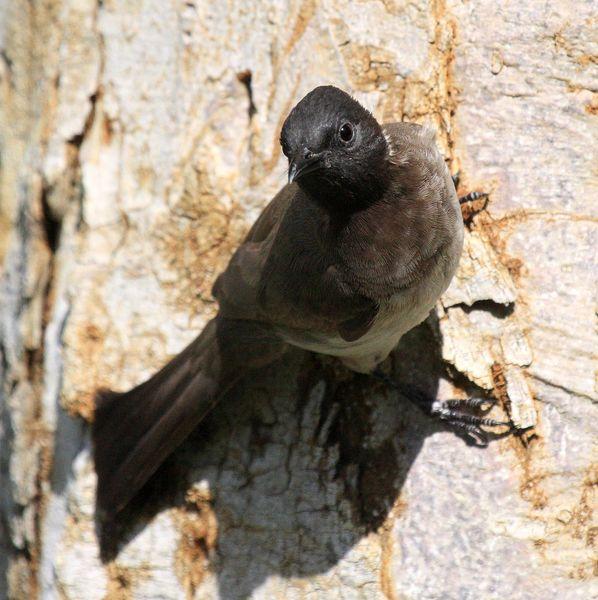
138, 141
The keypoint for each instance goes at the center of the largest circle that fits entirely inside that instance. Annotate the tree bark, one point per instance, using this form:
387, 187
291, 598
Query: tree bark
138, 142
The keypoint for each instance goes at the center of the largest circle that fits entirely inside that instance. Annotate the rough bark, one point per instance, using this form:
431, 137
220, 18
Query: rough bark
138, 142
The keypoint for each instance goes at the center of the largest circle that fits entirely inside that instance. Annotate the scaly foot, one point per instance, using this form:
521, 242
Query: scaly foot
472, 206
472, 197
451, 411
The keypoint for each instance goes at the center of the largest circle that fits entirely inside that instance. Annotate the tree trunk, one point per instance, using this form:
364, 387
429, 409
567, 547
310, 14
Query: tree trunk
138, 142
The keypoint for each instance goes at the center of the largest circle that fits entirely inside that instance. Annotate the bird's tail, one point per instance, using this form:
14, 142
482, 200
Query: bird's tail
134, 432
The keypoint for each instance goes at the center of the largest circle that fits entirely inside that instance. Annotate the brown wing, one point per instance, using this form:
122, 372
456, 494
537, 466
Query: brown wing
283, 275
271, 215
237, 288
352, 329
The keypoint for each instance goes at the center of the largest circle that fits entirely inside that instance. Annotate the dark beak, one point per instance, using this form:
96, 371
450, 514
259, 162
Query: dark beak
303, 163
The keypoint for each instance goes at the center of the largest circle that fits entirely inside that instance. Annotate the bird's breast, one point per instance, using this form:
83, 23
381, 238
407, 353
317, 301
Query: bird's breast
397, 314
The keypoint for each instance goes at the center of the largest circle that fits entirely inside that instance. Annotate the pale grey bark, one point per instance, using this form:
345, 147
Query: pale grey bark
138, 140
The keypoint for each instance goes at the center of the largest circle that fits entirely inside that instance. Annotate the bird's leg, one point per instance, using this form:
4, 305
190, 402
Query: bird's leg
450, 411
471, 203
472, 197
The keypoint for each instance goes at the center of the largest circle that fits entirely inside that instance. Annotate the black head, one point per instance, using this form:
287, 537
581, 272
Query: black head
336, 149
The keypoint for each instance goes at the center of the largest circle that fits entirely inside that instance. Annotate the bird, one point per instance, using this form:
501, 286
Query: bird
352, 253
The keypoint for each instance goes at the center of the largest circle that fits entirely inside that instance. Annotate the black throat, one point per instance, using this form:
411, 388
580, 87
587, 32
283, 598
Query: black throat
354, 190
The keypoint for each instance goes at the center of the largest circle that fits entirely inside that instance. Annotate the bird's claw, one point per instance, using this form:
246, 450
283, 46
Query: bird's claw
451, 411
468, 424
470, 209
472, 197
483, 403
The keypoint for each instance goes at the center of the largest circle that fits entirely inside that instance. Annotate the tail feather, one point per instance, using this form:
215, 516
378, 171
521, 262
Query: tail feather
134, 432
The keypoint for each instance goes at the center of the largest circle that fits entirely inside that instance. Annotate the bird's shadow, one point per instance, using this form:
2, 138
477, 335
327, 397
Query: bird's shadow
296, 466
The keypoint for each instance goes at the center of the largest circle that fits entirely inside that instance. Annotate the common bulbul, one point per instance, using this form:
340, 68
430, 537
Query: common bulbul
351, 254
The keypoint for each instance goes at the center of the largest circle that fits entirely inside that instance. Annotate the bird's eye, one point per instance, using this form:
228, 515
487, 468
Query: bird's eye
346, 133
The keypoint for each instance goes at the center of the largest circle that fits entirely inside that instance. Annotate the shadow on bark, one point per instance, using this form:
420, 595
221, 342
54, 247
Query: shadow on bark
303, 461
